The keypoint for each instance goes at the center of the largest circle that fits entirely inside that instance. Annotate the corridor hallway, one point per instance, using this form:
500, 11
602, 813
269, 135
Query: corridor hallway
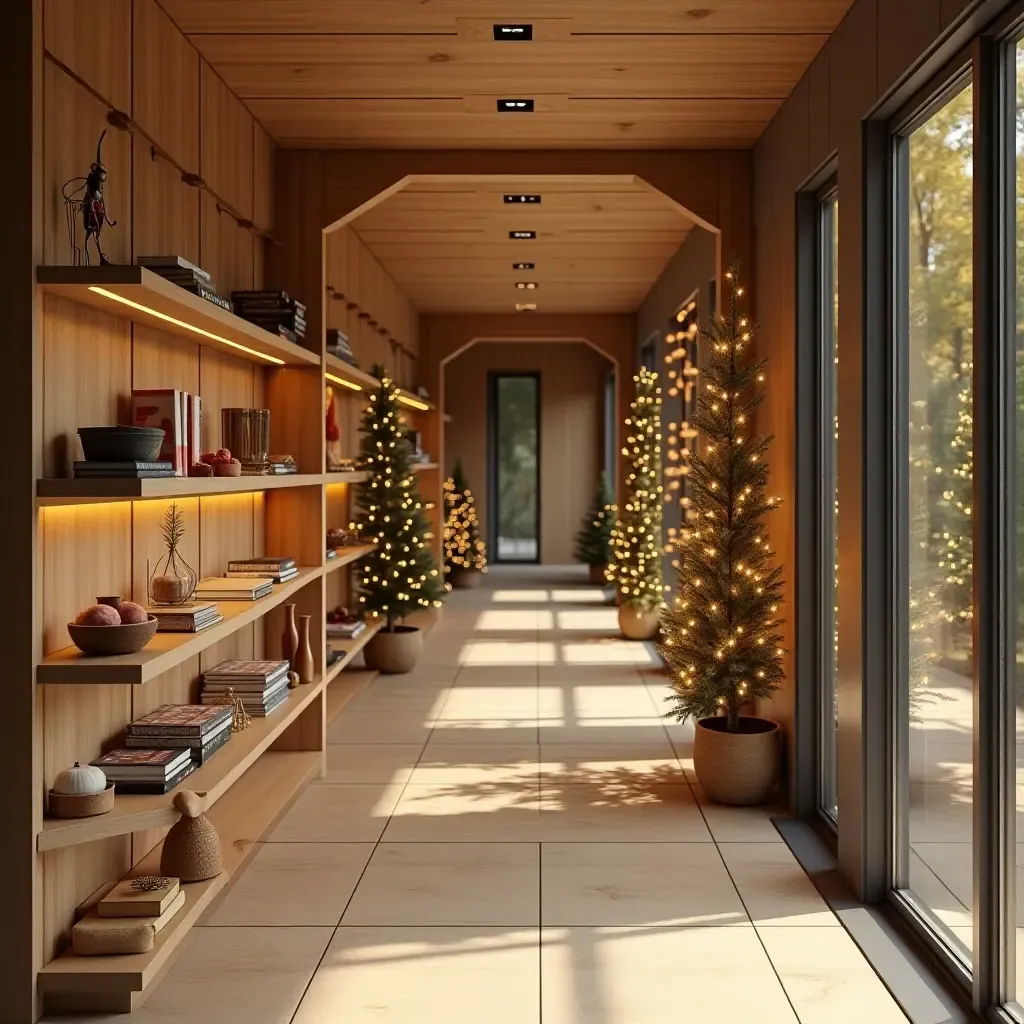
511, 835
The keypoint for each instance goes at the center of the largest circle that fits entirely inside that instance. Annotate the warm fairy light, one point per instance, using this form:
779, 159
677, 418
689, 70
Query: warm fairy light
181, 323
344, 383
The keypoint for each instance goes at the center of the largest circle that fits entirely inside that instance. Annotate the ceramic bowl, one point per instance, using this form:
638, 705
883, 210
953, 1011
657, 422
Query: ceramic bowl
123, 639
121, 444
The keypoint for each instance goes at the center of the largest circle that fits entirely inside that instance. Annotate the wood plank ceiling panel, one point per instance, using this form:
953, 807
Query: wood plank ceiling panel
600, 243
603, 73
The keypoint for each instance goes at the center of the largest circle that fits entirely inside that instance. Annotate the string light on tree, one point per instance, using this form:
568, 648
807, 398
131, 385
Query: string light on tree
635, 565
721, 636
464, 548
400, 574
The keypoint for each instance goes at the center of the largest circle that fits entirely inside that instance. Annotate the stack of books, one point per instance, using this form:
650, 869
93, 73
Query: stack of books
277, 570
276, 312
180, 416
132, 898
146, 770
281, 465
262, 686
338, 346
345, 630
185, 618
234, 588
123, 470
185, 275
199, 728
127, 917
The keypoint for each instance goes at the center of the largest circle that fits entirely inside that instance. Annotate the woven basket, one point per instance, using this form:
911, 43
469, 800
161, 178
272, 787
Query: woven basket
737, 768
597, 574
191, 849
639, 623
394, 653
467, 579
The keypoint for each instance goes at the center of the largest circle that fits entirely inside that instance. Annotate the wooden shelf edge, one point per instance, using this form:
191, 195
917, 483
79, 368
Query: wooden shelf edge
68, 665
138, 294
346, 687
352, 374
354, 649
424, 467
348, 556
353, 476
241, 819
72, 491
226, 768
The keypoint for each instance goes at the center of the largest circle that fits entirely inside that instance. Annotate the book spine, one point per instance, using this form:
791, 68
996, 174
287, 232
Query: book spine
184, 731
277, 567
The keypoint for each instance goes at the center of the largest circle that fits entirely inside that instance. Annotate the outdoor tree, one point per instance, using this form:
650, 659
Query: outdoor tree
463, 546
635, 565
594, 540
721, 636
400, 575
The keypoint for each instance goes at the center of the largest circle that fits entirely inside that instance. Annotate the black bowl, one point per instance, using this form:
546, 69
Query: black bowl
121, 444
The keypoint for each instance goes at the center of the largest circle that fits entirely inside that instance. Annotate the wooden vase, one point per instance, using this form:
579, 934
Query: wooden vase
290, 636
303, 663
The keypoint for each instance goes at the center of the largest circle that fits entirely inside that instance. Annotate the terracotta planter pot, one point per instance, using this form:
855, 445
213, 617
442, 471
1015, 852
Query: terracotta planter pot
595, 574
737, 768
396, 652
639, 623
467, 579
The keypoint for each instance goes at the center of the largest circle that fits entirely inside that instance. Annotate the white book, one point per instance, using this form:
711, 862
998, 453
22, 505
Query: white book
233, 587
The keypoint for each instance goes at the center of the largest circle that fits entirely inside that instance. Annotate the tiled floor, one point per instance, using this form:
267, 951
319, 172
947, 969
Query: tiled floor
511, 834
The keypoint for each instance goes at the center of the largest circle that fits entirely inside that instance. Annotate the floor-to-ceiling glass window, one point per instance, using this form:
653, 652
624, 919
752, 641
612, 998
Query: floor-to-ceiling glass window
515, 466
934, 723
827, 312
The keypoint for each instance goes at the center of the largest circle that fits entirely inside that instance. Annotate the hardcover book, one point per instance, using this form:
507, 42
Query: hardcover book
126, 901
179, 720
171, 263
155, 786
200, 749
267, 564
261, 670
162, 407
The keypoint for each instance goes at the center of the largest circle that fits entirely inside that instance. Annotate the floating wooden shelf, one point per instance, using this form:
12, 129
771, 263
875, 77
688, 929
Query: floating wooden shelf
338, 368
72, 491
113, 983
346, 556
353, 647
347, 476
345, 688
138, 294
165, 650
405, 399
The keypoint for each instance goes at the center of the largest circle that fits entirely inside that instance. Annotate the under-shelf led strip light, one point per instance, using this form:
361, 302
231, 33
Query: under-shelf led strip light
344, 383
181, 323
414, 402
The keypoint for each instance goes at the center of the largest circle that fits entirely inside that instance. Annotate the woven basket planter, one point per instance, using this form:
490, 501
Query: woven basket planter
737, 768
395, 652
639, 623
596, 574
467, 579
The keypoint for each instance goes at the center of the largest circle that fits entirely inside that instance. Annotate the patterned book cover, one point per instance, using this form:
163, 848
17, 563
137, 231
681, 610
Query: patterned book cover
178, 720
125, 758
246, 669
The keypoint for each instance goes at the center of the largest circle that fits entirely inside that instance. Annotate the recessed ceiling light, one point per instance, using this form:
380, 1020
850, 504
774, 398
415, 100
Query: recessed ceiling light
523, 266
525, 307
527, 286
515, 106
503, 33
522, 234
527, 197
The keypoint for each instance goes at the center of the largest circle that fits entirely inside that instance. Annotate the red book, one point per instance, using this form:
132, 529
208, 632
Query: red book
162, 407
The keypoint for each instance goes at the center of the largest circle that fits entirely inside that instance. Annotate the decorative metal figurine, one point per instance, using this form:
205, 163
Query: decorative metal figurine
86, 200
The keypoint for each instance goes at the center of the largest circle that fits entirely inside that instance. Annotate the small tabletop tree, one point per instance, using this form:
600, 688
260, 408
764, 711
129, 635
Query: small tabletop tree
400, 575
636, 539
594, 540
720, 638
463, 546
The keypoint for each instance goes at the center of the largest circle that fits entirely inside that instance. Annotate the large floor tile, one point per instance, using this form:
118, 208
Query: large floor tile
484, 810
380, 763
426, 976
471, 763
827, 978
637, 884
234, 976
737, 824
381, 727
486, 730
658, 976
774, 887
629, 811
598, 763
612, 732
449, 884
581, 702
338, 814
469, 702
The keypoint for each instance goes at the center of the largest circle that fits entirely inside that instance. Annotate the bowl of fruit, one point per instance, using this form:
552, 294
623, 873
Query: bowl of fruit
222, 463
112, 626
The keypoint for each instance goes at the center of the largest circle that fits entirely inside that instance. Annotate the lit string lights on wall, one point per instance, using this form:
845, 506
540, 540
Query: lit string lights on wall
681, 372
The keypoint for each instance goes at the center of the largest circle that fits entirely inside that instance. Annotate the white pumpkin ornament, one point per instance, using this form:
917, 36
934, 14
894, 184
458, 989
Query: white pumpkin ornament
80, 780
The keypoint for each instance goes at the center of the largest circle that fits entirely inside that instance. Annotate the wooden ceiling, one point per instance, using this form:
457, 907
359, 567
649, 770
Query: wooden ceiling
427, 73
601, 243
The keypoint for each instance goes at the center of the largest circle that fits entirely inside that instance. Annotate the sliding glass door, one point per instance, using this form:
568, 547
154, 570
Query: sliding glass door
514, 461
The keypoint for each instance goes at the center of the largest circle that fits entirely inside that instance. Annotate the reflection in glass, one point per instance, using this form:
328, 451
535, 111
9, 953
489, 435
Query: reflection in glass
936, 716
516, 417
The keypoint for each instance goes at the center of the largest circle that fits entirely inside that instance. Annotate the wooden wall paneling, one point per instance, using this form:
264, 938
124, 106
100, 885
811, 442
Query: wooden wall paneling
819, 84
905, 30
226, 142
295, 524
263, 152
227, 249
87, 377
259, 547
226, 529
295, 398
103, 59
73, 122
159, 361
225, 382
165, 76
165, 209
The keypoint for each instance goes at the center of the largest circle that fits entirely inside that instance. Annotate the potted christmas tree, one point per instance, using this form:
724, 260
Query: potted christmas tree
721, 636
400, 575
594, 540
465, 554
636, 539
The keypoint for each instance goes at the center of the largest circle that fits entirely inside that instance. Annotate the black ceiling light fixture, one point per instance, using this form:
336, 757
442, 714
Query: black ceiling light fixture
513, 33
522, 234
520, 198
523, 266
515, 106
